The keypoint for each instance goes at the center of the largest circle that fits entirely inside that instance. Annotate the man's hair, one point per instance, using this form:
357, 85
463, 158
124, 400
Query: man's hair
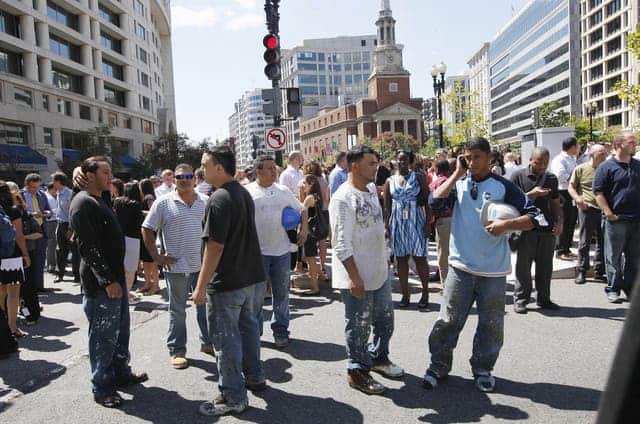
568, 143
410, 155
356, 154
92, 164
478, 143
620, 138
59, 177
223, 155
540, 151
293, 155
442, 166
184, 166
50, 185
340, 156
166, 172
31, 178
199, 173
260, 160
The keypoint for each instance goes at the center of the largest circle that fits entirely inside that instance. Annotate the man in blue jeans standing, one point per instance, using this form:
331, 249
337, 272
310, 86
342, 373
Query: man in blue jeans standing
361, 273
270, 200
178, 216
232, 282
101, 246
479, 262
617, 189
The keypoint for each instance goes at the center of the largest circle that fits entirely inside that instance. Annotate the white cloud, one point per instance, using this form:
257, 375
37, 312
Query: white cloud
247, 4
244, 21
182, 16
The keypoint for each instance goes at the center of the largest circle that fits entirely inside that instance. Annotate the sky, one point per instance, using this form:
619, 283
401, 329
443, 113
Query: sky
217, 45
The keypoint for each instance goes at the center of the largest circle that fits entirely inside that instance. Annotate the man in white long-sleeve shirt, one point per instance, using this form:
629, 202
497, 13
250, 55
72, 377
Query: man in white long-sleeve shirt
562, 166
292, 176
361, 273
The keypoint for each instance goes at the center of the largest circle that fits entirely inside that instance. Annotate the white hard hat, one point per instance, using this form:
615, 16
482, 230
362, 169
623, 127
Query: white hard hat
492, 211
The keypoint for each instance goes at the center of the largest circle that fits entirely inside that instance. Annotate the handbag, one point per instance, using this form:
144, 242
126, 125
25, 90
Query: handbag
318, 226
30, 226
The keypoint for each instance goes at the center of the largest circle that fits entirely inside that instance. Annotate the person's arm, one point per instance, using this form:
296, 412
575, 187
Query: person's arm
604, 205
445, 188
210, 261
558, 217
516, 198
386, 202
602, 185
343, 228
573, 191
21, 242
150, 226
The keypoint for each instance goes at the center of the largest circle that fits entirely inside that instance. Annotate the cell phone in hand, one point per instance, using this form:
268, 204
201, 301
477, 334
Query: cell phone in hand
463, 162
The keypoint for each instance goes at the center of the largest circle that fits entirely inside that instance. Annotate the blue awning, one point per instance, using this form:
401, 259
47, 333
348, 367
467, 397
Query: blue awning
18, 154
71, 154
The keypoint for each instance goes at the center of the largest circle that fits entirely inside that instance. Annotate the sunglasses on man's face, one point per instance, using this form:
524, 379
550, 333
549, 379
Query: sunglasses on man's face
184, 177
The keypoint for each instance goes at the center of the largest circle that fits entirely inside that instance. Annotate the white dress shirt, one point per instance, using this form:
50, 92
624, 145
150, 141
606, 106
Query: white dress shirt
562, 166
290, 178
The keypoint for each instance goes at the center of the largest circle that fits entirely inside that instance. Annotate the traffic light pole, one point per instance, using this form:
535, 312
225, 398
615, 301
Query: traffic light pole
273, 25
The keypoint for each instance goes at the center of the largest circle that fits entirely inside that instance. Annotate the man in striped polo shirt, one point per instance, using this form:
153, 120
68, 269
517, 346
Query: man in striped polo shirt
178, 216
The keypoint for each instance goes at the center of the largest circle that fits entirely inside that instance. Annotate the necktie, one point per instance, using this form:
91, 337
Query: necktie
36, 207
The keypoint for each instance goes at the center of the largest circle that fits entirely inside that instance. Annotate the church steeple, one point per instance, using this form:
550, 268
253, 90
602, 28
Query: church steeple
386, 25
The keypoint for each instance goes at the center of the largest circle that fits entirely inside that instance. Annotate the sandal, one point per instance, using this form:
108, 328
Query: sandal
18, 334
423, 303
109, 401
404, 302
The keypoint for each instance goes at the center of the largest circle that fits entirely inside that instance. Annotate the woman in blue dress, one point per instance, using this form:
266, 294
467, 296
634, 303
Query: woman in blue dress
407, 223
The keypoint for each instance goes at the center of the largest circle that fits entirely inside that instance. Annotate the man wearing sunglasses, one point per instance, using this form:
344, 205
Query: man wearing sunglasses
178, 216
479, 262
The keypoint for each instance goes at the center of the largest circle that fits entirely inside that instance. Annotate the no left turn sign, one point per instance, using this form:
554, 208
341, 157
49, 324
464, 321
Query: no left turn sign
275, 139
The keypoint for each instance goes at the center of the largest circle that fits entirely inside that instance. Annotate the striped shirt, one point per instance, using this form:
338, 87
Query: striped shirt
181, 227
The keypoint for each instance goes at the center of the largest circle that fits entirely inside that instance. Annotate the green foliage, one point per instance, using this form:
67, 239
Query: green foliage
95, 142
168, 151
550, 116
467, 106
430, 147
389, 144
626, 91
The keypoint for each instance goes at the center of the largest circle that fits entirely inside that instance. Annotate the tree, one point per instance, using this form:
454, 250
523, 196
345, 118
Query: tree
550, 115
94, 142
168, 151
626, 91
466, 107
388, 144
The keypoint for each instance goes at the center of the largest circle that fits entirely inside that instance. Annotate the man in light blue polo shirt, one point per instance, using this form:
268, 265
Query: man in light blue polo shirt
479, 262
178, 216
339, 173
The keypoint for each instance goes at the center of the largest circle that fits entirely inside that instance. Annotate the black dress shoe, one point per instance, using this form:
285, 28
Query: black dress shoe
580, 278
549, 305
59, 279
423, 303
520, 308
404, 302
362, 380
131, 379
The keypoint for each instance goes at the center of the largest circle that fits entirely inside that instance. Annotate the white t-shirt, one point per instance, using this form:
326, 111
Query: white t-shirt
269, 203
291, 178
164, 189
357, 229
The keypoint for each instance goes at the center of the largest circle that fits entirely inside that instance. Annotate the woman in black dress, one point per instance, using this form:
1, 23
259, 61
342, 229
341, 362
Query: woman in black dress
128, 209
12, 268
151, 271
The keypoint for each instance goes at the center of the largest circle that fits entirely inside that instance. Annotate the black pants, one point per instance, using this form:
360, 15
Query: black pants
570, 213
534, 247
62, 251
28, 291
590, 226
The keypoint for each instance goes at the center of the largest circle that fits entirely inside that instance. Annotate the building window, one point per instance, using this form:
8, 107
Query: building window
66, 81
85, 112
114, 96
113, 119
141, 32
126, 122
108, 15
393, 87
143, 55
139, 8
112, 70
64, 107
144, 79
110, 43
48, 136
71, 140
13, 134
64, 48
45, 102
59, 14
10, 62
146, 103
9, 24
363, 43
147, 128
23, 97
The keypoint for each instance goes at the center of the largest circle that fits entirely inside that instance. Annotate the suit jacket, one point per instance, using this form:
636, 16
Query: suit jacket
43, 203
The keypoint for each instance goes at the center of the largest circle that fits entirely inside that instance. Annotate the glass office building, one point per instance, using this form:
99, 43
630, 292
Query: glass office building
534, 59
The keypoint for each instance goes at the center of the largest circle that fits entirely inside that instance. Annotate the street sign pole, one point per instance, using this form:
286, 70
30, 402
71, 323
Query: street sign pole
273, 25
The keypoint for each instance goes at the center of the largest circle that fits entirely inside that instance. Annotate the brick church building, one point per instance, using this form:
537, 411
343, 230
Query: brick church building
388, 108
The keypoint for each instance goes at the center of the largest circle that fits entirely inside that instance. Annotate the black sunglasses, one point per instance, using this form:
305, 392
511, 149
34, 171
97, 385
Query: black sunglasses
474, 191
184, 177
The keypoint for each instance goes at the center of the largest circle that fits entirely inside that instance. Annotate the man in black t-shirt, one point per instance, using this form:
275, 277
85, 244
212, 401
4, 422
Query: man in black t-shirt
537, 245
233, 280
101, 247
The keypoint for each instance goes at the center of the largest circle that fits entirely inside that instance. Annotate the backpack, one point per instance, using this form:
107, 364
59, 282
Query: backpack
7, 235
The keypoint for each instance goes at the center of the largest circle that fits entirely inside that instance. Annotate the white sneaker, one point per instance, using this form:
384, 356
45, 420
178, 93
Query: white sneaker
388, 369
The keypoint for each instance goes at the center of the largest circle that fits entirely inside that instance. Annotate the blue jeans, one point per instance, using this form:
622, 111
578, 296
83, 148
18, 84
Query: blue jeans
277, 268
108, 340
461, 290
234, 328
178, 285
621, 238
361, 315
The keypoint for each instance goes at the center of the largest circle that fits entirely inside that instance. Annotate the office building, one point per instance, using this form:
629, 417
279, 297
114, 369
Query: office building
68, 65
605, 29
479, 80
247, 126
430, 117
534, 59
454, 111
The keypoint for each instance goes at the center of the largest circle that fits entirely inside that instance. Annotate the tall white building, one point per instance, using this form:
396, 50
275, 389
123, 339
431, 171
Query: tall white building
605, 29
329, 72
248, 124
479, 79
72, 65
534, 59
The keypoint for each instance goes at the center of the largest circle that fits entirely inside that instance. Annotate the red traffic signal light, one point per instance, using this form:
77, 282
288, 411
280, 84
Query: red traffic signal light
270, 41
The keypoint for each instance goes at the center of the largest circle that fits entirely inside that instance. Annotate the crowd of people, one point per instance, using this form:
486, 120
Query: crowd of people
229, 239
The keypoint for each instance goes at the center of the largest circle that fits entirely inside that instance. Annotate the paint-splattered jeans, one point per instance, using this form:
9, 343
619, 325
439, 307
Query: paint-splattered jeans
234, 328
361, 315
461, 290
108, 340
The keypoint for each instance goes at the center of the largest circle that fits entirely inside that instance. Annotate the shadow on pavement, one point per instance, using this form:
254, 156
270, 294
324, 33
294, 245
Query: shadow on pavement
157, 405
56, 298
306, 350
50, 327
276, 370
617, 314
27, 376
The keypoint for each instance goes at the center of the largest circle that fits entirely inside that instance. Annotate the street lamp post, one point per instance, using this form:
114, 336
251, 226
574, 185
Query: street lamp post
438, 89
591, 112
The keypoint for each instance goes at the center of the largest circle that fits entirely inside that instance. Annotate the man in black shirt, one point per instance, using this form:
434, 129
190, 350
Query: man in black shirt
101, 247
537, 245
233, 280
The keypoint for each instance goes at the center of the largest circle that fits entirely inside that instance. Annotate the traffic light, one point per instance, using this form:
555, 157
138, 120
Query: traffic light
535, 117
293, 102
272, 57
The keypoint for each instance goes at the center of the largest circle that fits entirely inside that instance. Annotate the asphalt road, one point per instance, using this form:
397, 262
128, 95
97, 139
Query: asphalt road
552, 369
